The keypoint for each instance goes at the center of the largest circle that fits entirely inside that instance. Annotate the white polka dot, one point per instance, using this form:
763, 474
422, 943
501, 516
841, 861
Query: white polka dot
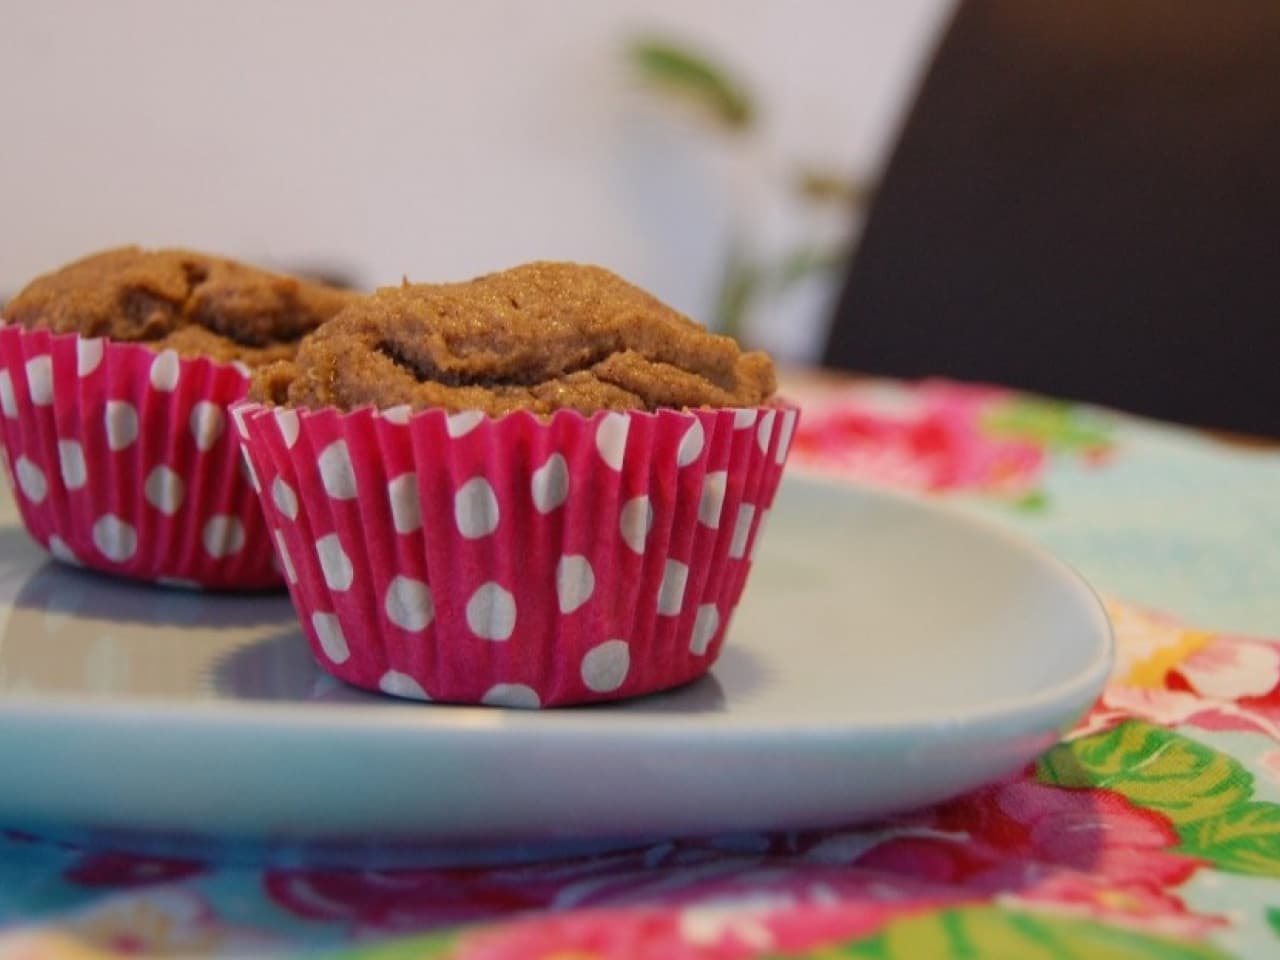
460, 424
398, 414
635, 522
88, 355
164, 490
250, 474
550, 484
764, 433
704, 628
475, 508
58, 547
31, 480
784, 435
71, 464
115, 539
491, 612
406, 510
691, 444
7, 401
287, 421
611, 438
207, 423
743, 418
334, 562
741, 531
332, 640
40, 380
409, 605
575, 582
764, 519
286, 560
336, 472
712, 502
604, 668
121, 423
284, 498
241, 368
512, 695
223, 536
402, 685
164, 371
671, 594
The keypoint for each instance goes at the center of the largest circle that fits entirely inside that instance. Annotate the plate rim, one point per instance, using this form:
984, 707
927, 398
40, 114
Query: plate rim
1059, 699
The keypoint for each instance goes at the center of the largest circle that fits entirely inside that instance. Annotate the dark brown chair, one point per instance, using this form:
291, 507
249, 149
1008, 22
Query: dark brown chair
1085, 201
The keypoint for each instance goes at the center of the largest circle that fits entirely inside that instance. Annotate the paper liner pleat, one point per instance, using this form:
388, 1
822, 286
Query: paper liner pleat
95, 510
492, 539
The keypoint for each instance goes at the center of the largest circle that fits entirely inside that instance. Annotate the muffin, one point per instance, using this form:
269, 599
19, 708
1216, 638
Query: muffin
537, 488
116, 373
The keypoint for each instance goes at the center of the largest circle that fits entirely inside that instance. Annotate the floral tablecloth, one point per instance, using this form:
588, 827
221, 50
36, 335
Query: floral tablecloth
1151, 831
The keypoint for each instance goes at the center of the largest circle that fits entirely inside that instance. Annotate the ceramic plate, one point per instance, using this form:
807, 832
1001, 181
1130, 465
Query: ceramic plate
888, 654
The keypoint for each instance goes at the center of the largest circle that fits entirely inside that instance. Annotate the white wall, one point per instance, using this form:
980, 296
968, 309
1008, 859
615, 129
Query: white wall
435, 139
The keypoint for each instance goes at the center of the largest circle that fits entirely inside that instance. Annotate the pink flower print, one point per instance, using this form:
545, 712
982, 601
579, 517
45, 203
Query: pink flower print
122, 870
932, 444
1230, 668
395, 899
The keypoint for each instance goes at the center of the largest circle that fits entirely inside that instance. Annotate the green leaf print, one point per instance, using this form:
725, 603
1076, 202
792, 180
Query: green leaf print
1034, 502
967, 933
1206, 795
434, 946
1273, 919
1155, 768
1047, 423
1244, 839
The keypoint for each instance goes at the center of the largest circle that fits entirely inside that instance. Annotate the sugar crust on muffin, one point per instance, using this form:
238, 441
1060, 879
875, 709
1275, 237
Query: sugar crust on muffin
542, 337
194, 303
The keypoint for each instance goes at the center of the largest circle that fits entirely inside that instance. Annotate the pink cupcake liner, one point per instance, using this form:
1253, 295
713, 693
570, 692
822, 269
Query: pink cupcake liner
123, 460
516, 561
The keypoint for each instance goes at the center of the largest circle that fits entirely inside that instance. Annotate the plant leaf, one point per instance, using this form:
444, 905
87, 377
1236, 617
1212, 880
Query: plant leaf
742, 281
671, 65
828, 187
806, 261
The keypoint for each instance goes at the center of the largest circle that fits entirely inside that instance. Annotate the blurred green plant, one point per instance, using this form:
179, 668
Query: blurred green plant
676, 70
682, 72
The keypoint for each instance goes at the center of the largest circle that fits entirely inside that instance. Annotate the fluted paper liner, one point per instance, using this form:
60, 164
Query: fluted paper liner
516, 561
124, 459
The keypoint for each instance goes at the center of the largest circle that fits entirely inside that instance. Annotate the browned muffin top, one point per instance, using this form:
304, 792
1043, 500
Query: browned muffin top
540, 337
196, 304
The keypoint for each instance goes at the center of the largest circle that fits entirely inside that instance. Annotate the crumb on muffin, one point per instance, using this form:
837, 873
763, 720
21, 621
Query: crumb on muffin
194, 303
541, 337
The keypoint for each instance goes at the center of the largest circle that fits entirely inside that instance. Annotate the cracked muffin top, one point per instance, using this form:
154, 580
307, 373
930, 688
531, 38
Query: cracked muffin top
196, 304
542, 337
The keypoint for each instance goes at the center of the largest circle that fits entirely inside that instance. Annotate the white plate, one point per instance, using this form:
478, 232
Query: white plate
888, 654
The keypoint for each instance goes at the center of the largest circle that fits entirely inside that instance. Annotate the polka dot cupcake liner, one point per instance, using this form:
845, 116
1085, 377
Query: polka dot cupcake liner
123, 460
514, 561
